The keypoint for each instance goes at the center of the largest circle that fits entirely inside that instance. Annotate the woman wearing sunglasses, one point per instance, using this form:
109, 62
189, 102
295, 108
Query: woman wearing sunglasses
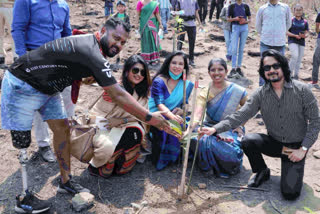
117, 147
167, 95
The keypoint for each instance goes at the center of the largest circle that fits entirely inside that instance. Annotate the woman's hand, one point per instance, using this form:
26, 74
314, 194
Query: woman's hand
177, 118
207, 131
298, 37
239, 131
177, 111
114, 122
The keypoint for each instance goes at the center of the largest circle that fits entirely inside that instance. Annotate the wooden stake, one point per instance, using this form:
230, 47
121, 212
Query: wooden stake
186, 154
198, 138
184, 99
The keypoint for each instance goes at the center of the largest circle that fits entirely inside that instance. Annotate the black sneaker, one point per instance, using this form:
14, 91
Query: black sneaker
238, 70
30, 204
2, 60
93, 170
191, 62
71, 187
232, 73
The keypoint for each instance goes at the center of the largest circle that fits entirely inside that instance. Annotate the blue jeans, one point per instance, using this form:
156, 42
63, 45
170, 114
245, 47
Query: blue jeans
239, 32
165, 16
263, 48
316, 62
20, 101
108, 11
227, 38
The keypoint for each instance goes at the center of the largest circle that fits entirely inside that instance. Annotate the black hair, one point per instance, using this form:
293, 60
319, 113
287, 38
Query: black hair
143, 87
220, 61
113, 22
282, 60
164, 70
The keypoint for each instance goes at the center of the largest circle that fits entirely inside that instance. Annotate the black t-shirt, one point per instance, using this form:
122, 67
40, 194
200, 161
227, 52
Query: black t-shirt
56, 64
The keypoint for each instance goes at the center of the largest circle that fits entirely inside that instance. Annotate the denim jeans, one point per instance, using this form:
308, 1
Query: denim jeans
227, 38
297, 52
165, 16
316, 62
41, 128
263, 48
238, 41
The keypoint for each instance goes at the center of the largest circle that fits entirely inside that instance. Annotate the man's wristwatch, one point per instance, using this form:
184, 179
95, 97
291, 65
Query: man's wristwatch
148, 117
304, 148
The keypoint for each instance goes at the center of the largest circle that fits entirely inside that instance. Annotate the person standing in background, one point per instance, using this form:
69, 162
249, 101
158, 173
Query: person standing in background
273, 20
226, 26
316, 55
108, 8
296, 39
5, 20
121, 14
215, 4
33, 25
203, 10
191, 13
165, 6
239, 15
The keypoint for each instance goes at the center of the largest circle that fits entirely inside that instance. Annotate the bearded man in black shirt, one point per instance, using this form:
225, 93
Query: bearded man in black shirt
32, 84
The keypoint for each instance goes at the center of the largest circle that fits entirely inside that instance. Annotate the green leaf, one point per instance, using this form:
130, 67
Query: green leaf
175, 126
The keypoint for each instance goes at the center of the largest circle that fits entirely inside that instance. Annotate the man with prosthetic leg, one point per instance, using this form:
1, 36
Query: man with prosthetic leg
33, 84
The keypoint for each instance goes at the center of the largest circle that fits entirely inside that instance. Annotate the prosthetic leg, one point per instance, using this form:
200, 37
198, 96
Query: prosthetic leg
23, 159
26, 202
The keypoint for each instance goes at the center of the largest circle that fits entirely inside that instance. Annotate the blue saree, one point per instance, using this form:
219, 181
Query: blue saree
165, 147
225, 158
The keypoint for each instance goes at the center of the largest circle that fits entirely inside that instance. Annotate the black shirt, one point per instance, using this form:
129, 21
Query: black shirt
56, 64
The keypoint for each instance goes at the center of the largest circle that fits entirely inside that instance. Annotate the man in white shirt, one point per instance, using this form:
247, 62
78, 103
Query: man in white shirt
273, 20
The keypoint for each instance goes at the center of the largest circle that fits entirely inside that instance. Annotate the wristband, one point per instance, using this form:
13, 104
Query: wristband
125, 120
304, 148
148, 117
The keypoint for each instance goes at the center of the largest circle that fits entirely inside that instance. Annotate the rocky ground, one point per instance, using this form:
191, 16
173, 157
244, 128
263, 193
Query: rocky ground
158, 189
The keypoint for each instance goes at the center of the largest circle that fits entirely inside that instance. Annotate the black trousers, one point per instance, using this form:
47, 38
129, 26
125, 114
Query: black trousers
203, 9
192, 32
214, 5
254, 145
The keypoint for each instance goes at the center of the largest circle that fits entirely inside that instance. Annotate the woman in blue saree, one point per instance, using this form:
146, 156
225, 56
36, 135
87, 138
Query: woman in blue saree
167, 95
222, 153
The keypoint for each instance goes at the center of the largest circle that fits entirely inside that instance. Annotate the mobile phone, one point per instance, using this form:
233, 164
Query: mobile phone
302, 32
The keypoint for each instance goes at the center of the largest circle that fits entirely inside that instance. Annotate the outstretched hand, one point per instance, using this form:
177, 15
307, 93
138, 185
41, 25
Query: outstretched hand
207, 131
162, 124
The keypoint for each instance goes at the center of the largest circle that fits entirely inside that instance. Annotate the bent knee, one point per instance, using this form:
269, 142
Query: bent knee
248, 140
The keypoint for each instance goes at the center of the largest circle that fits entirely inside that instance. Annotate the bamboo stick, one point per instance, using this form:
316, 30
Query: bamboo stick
185, 161
198, 138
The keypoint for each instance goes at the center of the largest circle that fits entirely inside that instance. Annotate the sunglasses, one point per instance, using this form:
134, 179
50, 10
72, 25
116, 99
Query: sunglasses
275, 66
136, 70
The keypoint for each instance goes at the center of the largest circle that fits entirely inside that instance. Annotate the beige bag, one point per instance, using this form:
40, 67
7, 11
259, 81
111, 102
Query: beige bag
81, 137
81, 141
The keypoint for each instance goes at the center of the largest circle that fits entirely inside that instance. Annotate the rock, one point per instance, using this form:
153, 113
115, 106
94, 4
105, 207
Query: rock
317, 154
202, 185
144, 203
128, 211
82, 201
135, 206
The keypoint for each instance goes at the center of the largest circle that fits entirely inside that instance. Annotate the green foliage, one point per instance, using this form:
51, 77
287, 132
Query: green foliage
309, 210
